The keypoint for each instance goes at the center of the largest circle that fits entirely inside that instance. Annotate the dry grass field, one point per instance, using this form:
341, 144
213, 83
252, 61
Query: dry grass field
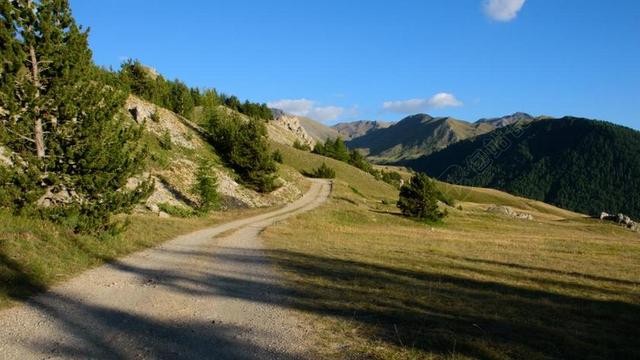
476, 286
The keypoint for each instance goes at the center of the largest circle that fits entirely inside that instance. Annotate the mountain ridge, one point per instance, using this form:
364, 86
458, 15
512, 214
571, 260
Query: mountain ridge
355, 129
575, 163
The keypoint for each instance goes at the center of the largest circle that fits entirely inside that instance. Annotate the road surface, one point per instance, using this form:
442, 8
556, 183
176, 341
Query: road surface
211, 294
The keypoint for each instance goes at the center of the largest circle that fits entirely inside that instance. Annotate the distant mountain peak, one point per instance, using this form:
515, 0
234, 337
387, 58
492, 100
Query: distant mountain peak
356, 129
507, 119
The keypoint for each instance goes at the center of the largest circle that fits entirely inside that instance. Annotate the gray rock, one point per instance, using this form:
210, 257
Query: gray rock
509, 212
163, 215
622, 220
153, 208
58, 195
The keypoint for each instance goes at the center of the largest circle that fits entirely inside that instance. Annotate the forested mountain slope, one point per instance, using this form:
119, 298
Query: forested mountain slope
578, 164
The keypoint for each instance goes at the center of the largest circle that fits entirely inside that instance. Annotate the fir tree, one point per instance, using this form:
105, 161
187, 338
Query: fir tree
61, 117
419, 199
205, 187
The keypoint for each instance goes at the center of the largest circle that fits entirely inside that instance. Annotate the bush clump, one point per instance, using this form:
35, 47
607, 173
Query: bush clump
277, 157
301, 146
242, 144
321, 172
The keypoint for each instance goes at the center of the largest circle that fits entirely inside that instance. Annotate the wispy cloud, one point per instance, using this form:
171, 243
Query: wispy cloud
439, 100
308, 108
502, 10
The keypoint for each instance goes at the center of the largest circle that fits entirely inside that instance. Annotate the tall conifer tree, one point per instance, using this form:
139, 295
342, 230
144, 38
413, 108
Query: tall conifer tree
62, 117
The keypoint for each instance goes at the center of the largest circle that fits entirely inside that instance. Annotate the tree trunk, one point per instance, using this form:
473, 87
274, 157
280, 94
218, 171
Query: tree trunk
38, 130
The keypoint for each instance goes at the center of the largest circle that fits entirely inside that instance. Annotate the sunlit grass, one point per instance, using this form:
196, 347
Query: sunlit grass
380, 286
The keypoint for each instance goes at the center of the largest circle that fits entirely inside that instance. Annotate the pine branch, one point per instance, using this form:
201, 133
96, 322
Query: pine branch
20, 136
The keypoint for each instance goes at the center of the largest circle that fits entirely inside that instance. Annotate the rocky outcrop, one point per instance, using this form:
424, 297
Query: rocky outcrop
288, 129
160, 121
58, 195
509, 212
621, 220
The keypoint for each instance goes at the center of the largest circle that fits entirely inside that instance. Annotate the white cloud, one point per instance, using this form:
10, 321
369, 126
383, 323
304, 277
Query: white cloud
306, 107
439, 100
325, 113
293, 106
502, 10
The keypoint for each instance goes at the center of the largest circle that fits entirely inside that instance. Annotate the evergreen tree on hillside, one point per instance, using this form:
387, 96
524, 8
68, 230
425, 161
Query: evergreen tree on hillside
60, 118
333, 148
419, 199
242, 143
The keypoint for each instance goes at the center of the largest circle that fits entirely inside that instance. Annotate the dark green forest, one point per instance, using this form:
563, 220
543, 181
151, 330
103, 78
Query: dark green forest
578, 164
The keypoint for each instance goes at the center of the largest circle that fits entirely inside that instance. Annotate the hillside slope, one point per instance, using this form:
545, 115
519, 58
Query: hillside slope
578, 164
318, 131
176, 147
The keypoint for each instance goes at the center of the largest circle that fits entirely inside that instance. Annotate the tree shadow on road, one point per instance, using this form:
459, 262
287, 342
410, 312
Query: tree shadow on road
98, 332
427, 311
432, 312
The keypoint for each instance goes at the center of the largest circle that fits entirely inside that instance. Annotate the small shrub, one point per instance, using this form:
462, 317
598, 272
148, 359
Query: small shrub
356, 191
392, 178
206, 187
277, 157
447, 199
419, 199
155, 116
177, 211
165, 140
301, 146
322, 172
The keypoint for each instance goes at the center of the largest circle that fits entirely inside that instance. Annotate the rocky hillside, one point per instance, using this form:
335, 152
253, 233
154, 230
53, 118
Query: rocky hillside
318, 131
173, 165
356, 129
287, 129
579, 164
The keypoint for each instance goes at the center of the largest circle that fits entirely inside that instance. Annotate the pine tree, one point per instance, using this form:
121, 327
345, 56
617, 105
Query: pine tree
205, 187
61, 117
419, 199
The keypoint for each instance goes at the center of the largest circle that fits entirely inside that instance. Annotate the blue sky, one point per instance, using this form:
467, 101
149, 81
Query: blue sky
349, 60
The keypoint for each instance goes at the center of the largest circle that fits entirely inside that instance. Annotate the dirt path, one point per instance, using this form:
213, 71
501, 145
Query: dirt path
196, 296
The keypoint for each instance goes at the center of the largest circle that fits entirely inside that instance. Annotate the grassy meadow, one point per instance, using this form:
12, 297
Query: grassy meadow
379, 286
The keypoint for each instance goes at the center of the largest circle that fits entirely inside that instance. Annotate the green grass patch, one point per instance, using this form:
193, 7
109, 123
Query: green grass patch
176, 210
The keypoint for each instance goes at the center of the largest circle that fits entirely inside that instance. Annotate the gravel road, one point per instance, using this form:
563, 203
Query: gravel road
194, 297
